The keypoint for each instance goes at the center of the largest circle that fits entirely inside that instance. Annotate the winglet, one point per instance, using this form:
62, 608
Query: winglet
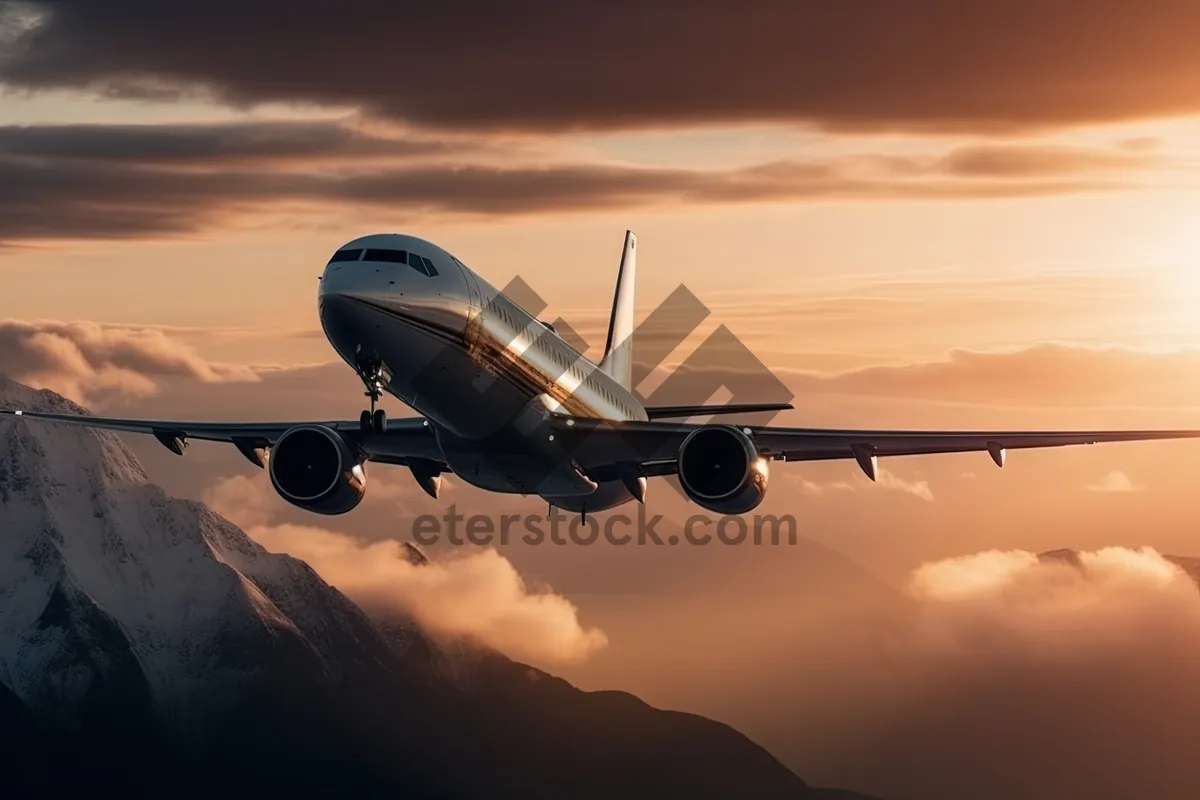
618, 349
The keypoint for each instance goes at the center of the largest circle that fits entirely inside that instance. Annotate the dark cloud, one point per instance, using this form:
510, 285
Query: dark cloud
536, 64
261, 143
1005, 161
96, 181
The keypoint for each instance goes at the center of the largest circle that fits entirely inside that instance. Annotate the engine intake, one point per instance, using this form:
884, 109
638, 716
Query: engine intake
720, 470
314, 468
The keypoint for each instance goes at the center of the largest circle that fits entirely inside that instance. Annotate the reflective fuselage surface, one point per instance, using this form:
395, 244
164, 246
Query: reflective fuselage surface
479, 367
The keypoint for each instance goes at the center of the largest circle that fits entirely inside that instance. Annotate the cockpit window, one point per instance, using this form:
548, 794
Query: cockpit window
394, 256
346, 255
415, 262
419, 263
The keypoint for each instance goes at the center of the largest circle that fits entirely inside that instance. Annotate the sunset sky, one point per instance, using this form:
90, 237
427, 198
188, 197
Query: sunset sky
925, 214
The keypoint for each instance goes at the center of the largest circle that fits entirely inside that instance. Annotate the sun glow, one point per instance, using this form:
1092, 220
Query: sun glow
1176, 280
1178, 323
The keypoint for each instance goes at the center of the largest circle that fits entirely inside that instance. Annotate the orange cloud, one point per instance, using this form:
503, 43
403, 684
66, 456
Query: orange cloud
918, 489
477, 594
1013, 669
885, 480
1047, 374
1114, 482
1057, 374
84, 360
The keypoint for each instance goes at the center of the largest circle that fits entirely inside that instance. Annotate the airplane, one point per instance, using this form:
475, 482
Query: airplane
508, 405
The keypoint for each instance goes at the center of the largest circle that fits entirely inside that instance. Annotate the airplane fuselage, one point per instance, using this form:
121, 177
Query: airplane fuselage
479, 367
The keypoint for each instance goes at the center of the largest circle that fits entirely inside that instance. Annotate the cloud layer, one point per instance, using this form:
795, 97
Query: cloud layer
86, 360
97, 361
116, 181
1048, 373
928, 65
476, 594
1060, 374
1115, 482
264, 144
1068, 675
885, 480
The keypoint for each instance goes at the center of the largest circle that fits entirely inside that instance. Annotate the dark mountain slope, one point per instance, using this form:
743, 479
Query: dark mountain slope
148, 647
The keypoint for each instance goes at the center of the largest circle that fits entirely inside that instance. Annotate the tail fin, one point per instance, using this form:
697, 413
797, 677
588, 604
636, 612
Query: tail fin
618, 350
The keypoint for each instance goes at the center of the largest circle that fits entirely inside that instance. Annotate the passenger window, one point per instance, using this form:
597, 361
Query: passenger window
430, 269
346, 255
392, 256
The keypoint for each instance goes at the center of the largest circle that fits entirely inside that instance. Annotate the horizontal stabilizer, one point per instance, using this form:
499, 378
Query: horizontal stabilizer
668, 412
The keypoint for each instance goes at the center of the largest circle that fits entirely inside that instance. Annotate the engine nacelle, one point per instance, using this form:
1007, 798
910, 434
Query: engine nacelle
721, 470
314, 468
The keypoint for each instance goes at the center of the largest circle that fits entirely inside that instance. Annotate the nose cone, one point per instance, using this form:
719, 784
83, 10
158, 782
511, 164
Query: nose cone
355, 298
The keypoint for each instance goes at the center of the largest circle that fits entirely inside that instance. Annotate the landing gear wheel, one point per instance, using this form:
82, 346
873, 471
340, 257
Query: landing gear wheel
375, 378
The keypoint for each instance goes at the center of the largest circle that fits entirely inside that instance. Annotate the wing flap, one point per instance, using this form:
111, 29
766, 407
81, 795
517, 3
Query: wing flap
667, 412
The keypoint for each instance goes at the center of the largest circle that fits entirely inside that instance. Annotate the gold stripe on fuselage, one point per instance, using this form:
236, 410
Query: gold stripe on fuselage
527, 359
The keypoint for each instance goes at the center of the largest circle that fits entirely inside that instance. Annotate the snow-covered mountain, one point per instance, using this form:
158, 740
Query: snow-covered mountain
144, 638
103, 577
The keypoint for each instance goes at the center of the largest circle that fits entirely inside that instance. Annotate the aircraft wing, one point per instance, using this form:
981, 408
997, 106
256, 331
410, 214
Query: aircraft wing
799, 444
405, 438
653, 445
599, 446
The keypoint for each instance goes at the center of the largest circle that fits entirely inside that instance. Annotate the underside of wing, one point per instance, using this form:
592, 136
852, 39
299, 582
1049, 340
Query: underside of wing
866, 447
656, 444
804, 444
403, 439
724, 468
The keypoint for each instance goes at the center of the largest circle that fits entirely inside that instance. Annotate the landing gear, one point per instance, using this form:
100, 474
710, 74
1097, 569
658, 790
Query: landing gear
373, 420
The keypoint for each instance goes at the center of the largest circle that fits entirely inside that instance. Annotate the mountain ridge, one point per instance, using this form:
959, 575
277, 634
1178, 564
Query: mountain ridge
144, 637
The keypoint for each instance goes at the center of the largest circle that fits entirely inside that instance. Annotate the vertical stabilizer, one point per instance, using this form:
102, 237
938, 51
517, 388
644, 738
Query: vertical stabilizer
618, 350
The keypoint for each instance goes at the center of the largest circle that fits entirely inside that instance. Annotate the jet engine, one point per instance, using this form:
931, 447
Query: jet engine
314, 468
721, 470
